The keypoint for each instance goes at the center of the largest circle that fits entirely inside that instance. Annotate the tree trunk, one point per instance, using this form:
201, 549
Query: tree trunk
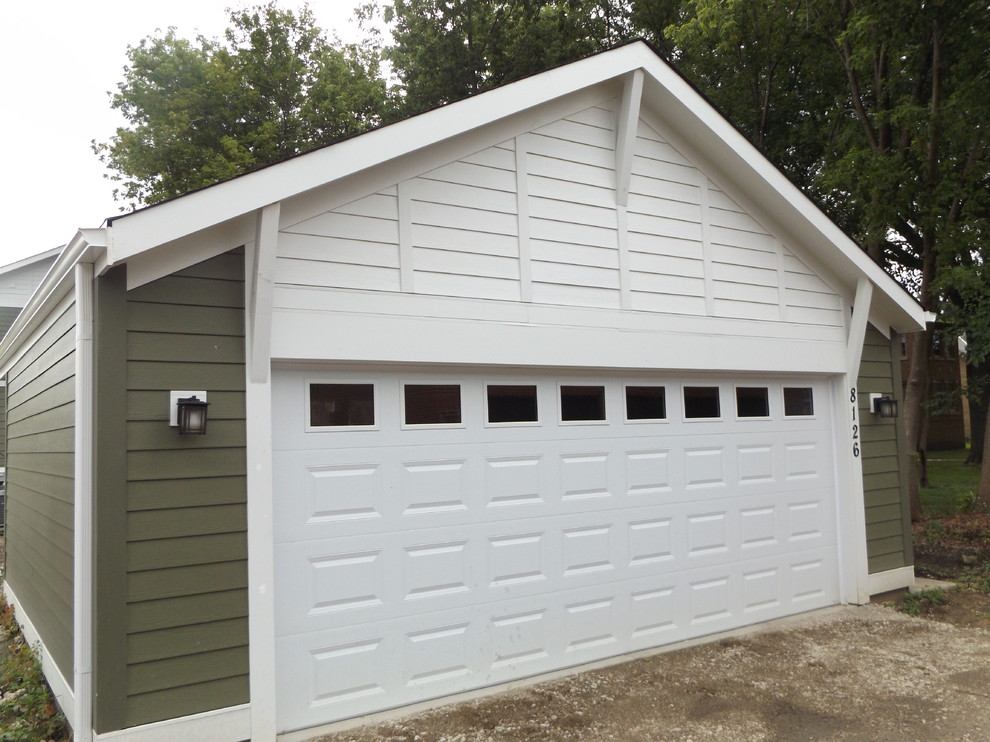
976, 380
914, 398
984, 491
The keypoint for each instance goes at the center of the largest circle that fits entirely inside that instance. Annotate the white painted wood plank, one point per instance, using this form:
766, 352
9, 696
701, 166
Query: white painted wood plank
745, 309
445, 215
655, 283
658, 150
796, 266
464, 263
667, 265
625, 140
645, 131
336, 275
665, 227
566, 211
675, 173
602, 115
735, 220
501, 157
573, 131
478, 287
300, 300
406, 275
706, 244
564, 190
572, 152
458, 194
650, 244
809, 316
576, 172
575, 275
745, 274
737, 238
622, 219
748, 293
560, 252
522, 214
813, 299
468, 173
668, 303
544, 229
549, 293
719, 200
378, 205
644, 190
730, 255
807, 282
451, 238
332, 249
349, 227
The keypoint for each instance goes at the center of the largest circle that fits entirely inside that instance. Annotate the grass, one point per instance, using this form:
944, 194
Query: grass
27, 711
954, 484
923, 603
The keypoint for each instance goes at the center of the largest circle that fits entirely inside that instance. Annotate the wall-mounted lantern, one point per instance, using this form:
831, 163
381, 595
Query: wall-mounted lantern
187, 412
883, 405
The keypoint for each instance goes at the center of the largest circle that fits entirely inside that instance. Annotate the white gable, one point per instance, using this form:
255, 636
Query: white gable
534, 219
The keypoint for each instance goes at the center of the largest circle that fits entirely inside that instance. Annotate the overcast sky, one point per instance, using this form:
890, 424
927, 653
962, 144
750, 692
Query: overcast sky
57, 61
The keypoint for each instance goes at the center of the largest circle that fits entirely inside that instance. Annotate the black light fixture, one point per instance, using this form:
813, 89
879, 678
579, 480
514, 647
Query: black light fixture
882, 405
191, 415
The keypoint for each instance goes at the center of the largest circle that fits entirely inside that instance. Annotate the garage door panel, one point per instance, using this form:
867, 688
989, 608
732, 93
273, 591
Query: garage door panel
413, 563
437, 653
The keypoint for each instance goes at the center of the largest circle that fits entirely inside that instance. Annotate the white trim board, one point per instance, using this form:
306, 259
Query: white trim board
231, 724
892, 579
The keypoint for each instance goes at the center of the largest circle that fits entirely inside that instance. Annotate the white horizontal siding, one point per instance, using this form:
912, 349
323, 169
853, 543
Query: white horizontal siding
549, 234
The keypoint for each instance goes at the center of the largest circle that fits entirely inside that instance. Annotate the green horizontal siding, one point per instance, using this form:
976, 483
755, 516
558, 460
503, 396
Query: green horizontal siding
40, 460
180, 642
888, 534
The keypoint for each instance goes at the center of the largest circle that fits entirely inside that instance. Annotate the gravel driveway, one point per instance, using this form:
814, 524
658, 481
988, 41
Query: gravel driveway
852, 673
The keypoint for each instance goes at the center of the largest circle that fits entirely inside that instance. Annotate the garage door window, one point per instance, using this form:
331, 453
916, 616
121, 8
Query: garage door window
341, 405
646, 403
752, 401
798, 401
582, 403
701, 402
512, 403
432, 404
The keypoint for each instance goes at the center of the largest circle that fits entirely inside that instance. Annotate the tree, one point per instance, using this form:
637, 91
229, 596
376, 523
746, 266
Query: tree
882, 101
205, 110
444, 50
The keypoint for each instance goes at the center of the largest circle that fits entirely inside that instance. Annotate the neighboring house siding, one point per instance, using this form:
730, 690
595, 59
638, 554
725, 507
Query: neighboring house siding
7, 317
888, 525
40, 461
181, 641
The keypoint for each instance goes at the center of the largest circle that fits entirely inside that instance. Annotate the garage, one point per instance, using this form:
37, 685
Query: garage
439, 529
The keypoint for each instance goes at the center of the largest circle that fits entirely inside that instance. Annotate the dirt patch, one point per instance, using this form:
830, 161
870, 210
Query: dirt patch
856, 673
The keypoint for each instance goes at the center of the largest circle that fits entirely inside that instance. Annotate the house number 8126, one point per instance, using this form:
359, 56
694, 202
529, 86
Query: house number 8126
855, 424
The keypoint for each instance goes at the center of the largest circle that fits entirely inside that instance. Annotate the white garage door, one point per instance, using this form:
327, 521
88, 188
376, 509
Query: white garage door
444, 530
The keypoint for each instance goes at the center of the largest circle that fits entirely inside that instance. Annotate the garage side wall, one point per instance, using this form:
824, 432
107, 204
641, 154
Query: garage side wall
173, 549
888, 525
41, 418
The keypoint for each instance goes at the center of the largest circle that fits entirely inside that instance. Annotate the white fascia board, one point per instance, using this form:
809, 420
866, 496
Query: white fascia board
86, 247
145, 229
730, 154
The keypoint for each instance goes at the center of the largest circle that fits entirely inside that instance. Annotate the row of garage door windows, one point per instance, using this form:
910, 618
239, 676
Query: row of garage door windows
350, 405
